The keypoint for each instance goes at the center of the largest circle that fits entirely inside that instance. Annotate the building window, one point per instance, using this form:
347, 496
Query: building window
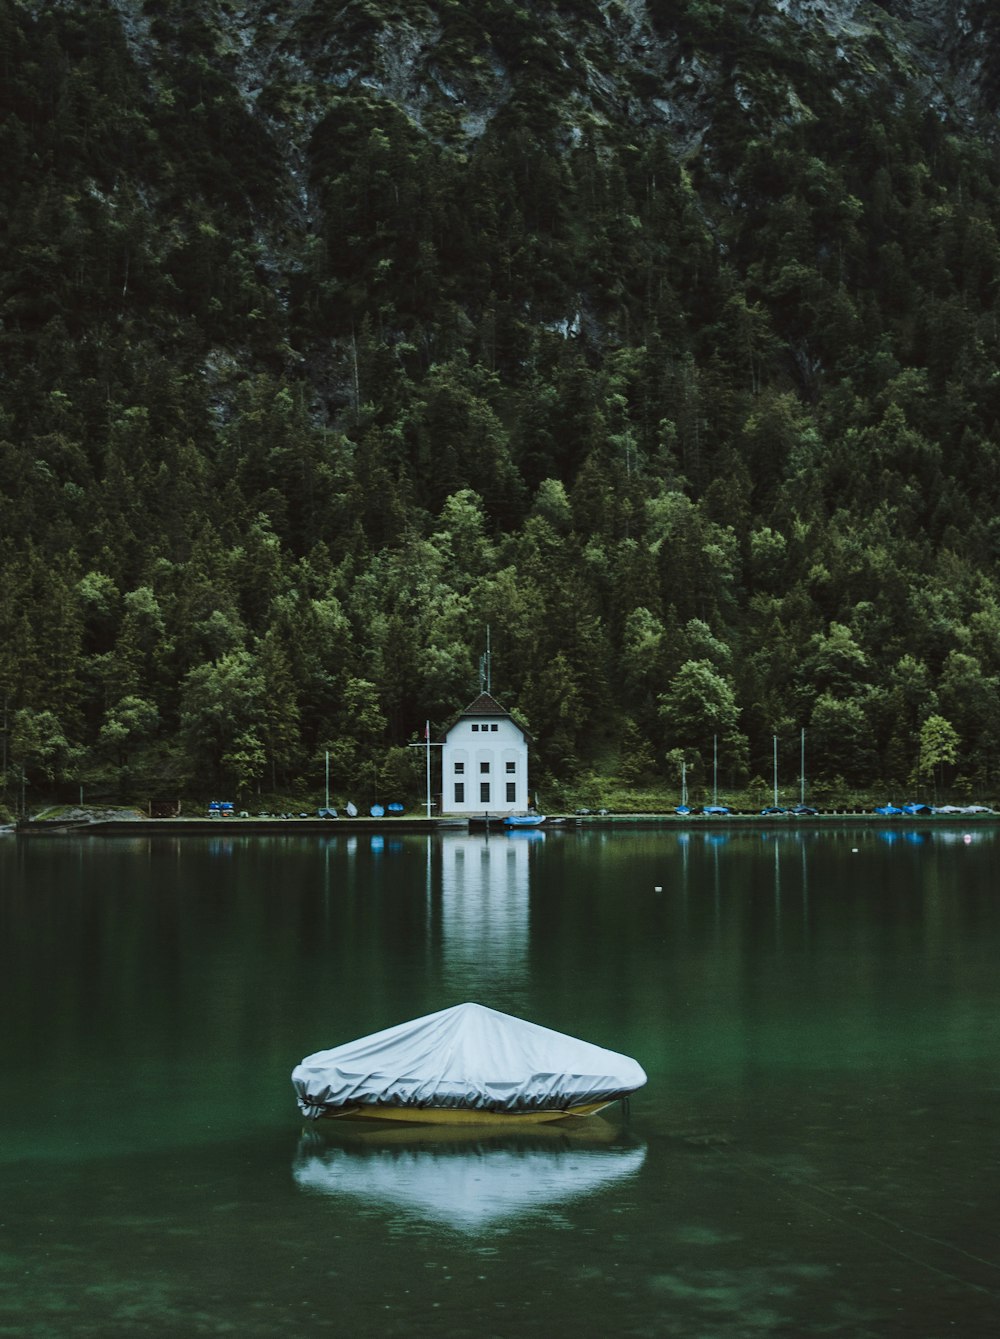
459, 792
459, 768
512, 767
511, 791
484, 767
494, 728
475, 728
484, 792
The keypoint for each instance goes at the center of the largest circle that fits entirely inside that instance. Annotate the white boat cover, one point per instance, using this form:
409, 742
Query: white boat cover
466, 1057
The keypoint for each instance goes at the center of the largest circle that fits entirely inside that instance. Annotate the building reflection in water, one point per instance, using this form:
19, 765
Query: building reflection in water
484, 911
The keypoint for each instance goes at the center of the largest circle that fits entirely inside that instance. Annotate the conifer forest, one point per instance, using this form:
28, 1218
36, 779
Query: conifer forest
657, 337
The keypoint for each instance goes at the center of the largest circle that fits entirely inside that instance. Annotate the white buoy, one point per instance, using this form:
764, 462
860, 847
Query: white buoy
967, 838
658, 888
854, 850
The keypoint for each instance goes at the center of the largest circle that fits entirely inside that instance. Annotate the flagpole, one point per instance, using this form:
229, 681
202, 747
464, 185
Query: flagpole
427, 746
427, 741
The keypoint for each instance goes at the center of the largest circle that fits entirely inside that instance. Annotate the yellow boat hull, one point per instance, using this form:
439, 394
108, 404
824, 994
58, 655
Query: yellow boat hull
462, 1116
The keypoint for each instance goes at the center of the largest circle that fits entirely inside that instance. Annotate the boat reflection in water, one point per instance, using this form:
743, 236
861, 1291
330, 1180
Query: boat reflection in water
467, 1179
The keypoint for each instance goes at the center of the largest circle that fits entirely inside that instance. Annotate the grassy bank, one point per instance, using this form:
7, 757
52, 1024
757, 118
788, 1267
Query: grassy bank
594, 793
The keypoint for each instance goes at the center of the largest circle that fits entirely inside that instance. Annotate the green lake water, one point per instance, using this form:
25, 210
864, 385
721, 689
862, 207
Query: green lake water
815, 1154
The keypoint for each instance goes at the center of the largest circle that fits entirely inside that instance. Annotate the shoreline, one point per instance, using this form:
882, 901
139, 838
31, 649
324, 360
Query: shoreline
116, 827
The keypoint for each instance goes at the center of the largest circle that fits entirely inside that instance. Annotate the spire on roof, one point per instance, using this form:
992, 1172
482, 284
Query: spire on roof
486, 666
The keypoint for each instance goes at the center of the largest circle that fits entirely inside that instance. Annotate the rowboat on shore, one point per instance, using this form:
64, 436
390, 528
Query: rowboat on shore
468, 1065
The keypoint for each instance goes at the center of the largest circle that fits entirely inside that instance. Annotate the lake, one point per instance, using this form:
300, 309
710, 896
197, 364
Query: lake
815, 1153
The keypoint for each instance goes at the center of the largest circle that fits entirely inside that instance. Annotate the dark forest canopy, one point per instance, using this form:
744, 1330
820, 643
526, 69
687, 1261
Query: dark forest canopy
659, 338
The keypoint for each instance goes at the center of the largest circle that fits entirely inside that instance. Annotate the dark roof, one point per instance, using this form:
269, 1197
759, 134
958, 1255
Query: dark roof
485, 705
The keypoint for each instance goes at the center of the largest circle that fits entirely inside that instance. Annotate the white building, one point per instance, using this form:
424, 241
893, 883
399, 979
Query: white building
484, 762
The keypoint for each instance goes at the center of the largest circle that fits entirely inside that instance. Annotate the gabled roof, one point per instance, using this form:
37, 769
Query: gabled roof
484, 705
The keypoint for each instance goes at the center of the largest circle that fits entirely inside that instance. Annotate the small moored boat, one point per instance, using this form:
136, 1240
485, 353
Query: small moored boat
524, 820
468, 1065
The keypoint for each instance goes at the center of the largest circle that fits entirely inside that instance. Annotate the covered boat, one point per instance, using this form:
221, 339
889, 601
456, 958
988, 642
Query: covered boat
464, 1065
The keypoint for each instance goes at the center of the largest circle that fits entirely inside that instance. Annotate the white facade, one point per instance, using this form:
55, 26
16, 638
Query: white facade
484, 762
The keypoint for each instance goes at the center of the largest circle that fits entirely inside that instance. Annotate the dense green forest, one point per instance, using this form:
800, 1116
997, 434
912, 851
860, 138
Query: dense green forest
659, 338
